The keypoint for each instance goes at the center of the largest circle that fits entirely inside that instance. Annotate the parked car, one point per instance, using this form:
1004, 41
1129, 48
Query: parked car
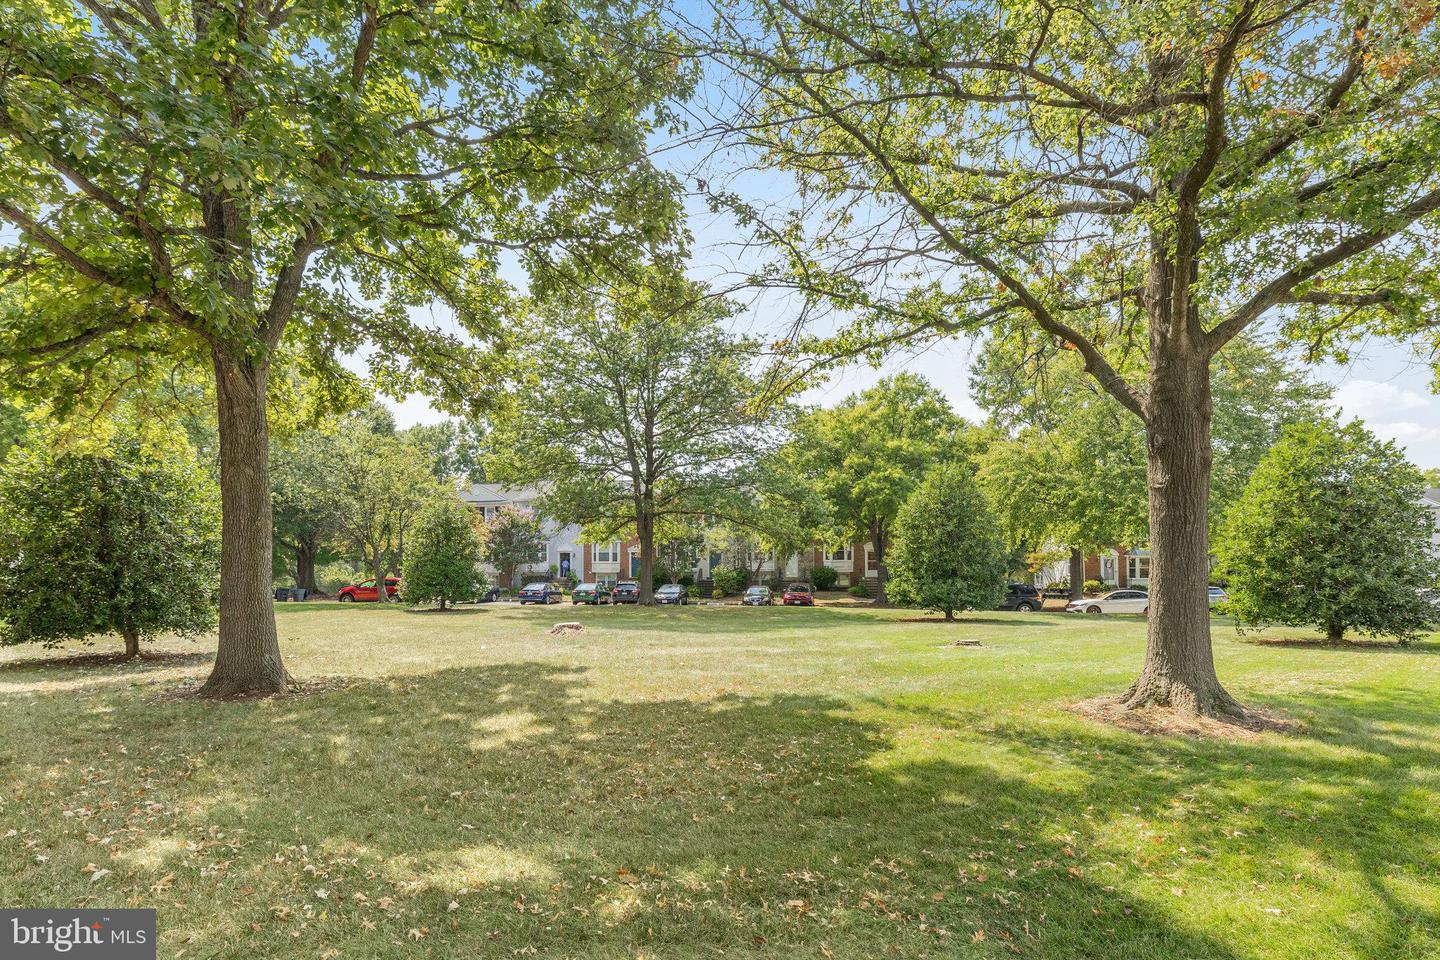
365, 591
1022, 597
626, 591
672, 593
758, 597
1116, 601
592, 593
1217, 595
798, 595
541, 592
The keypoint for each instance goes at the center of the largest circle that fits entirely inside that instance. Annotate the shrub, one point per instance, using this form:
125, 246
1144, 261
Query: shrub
1058, 585
121, 539
1327, 532
729, 580
824, 578
330, 577
948, 553
858, 589
442, 556
1094, 586
692, 591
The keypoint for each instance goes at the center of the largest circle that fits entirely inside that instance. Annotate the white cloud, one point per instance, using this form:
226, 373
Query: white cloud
1371, 399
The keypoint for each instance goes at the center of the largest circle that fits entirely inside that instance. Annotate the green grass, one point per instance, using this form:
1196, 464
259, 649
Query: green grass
726, 782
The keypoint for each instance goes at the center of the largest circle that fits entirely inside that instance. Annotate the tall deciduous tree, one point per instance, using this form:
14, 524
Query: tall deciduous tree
864, 457
303, 467
381, 485
1331, 532
1154, 175
223, 183
117, 537
1074, 472
639, 410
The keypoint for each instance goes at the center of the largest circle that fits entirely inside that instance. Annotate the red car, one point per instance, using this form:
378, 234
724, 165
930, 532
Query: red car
365, 590
798, 595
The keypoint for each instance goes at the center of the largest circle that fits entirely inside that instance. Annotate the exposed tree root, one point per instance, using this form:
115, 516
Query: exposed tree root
1164, 719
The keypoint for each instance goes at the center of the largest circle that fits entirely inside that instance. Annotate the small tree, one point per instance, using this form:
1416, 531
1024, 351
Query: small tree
949, 553
121, 539
442, 556
510, 538
1330, 532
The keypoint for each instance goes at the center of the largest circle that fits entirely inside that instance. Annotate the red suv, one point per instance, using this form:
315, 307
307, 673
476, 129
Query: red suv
365, 590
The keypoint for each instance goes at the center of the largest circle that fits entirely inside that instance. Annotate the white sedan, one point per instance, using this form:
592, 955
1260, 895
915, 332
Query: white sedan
1116, 601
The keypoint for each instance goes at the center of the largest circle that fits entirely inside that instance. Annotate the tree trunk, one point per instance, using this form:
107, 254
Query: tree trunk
381, 593
1179, 669
1077, 573
132, 640
645, 533
248, 658
949, 616
882, 573
305, 553
1335, 632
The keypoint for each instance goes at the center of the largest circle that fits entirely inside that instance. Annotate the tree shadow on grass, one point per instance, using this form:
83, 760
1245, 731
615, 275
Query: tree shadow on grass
147, 661
1350, 803
492, 811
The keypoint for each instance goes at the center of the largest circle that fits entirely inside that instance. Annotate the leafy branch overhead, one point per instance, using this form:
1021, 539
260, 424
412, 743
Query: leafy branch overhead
204, 175
1076, 169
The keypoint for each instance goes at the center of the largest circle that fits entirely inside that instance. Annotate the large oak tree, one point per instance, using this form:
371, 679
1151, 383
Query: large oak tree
238, 183
1152, 177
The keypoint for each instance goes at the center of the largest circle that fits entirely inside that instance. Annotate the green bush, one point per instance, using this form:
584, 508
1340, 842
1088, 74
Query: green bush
330, 577
858, 589
949, 554
123, 538
730, 580
1327, 533
692, 591
1095, 586
824, 578
442, 556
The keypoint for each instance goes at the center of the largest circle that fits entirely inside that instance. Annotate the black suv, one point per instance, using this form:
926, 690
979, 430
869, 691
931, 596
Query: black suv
1022, 597
626, 591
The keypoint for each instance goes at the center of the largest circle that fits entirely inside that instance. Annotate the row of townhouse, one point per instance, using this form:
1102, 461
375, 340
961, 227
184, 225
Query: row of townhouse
565, 554
1130, 567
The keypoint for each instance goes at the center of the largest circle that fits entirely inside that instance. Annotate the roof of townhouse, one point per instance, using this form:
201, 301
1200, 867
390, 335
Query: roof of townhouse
489, 493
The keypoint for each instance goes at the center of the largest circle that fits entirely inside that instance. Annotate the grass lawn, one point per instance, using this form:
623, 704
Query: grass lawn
707, 782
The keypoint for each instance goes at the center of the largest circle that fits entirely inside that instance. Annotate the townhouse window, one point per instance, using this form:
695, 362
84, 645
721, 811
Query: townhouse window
607, 552
1137, 568
1107, 569
843, 554
542, 553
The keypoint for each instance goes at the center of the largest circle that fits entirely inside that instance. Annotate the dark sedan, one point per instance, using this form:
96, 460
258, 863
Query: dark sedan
798, 595
541, 593
626, 591
672, 593
758, 597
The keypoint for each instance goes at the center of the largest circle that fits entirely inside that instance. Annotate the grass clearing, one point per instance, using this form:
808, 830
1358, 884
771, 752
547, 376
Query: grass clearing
703, 782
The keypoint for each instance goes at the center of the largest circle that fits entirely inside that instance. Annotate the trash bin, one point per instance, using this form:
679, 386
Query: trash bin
282, 594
